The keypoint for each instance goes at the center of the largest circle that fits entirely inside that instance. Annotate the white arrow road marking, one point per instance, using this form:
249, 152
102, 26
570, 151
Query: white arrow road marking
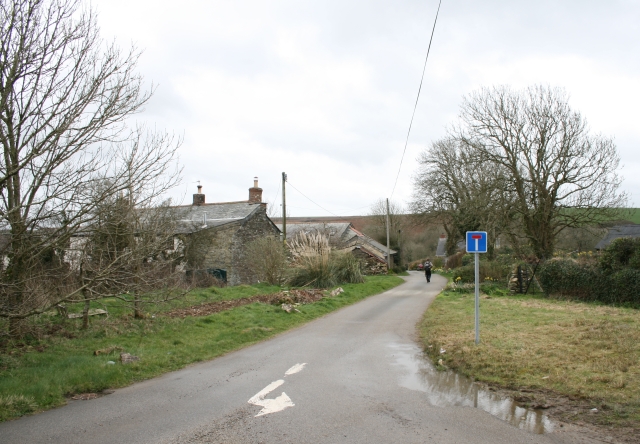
295, 369
281, 402
271, 405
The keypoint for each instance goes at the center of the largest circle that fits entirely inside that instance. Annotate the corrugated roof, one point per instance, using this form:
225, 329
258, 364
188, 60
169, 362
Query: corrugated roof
618, 231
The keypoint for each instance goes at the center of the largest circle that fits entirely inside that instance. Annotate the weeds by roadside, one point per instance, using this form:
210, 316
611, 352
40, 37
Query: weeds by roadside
42, 372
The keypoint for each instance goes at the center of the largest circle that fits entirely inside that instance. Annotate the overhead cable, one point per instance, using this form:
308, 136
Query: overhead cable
417, 97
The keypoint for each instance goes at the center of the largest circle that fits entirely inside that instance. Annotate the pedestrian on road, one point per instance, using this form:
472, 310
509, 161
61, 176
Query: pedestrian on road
427, 269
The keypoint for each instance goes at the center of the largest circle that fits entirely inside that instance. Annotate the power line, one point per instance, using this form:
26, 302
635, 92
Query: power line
344, 212
310, 200
417, 97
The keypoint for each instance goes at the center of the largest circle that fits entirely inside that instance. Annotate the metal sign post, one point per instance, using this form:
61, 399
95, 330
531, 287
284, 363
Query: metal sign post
477, 243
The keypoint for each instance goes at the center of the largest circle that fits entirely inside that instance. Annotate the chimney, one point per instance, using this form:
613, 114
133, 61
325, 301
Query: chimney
198, 198
255, 193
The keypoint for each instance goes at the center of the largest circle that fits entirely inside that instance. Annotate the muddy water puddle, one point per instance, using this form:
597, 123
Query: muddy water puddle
447, 388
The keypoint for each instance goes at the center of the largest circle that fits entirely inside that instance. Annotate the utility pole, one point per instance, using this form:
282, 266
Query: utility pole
284, 210
388, 249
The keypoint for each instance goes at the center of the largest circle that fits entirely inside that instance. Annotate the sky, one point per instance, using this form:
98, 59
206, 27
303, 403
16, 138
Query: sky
325, 90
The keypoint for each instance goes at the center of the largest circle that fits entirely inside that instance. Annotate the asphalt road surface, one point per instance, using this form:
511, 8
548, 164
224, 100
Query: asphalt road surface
339, 379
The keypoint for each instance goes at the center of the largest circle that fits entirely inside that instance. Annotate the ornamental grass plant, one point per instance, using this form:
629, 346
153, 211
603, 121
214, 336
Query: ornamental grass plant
315, 263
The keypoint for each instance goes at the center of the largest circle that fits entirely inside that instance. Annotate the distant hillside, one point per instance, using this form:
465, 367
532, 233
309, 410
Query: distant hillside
359, 222
634, 215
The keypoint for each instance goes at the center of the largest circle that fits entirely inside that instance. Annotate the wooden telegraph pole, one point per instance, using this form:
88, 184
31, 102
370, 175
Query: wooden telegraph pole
284, 210
388, 249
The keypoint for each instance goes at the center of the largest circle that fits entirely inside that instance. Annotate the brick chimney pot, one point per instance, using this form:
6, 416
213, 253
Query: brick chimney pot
255, 193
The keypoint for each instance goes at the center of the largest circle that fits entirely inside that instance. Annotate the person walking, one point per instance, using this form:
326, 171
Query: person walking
427, 269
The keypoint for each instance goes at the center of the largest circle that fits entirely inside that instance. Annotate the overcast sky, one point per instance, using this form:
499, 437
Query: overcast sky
324, 90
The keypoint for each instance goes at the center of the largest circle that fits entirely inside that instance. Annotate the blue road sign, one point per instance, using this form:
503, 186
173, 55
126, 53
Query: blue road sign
476, 241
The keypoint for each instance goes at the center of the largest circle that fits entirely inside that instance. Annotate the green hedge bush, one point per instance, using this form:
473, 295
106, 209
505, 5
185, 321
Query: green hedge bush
566, 277
624, 288
621, 253
492, 270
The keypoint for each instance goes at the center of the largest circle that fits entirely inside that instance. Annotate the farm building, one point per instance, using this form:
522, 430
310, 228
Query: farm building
618, 231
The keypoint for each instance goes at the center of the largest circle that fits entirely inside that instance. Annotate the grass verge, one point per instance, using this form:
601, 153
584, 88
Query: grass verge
43, 373
587, 354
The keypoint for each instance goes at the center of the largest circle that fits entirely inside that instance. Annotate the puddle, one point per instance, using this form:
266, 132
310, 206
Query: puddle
450, 389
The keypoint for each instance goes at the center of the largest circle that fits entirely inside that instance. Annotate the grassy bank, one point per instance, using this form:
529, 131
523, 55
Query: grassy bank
588, 354
41, 373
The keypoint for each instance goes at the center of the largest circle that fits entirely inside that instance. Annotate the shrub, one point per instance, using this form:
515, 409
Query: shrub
624, 288
467, 259
438, 262
455, 260
487, 270
347, 268
621, 253
268, 259
566, 277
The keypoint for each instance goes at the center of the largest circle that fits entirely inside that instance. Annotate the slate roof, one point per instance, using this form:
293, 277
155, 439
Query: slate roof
192, 218
618, 231
372, 242
334, 230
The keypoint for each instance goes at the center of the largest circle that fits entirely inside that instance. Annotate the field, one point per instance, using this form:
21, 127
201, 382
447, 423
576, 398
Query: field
568, 356
634, 215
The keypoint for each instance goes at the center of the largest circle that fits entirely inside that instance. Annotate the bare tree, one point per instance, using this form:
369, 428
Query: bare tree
268, 258
561, 174
65, 97
378, 226
455, 187
128, 253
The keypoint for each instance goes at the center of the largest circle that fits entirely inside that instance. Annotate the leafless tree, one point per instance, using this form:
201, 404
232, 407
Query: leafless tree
561, 174
455, 187
65, 99
268, 258
378, 226
127, 253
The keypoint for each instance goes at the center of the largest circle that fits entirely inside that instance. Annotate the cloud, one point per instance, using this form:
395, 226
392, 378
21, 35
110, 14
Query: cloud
325, 90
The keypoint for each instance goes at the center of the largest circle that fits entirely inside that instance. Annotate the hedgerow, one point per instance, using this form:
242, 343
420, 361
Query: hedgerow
614, 279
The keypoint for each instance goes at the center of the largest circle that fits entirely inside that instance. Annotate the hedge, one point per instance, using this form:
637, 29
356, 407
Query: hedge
566, 277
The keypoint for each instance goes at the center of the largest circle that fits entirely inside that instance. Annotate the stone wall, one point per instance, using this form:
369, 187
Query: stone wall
371, 266
226, 246
256, 226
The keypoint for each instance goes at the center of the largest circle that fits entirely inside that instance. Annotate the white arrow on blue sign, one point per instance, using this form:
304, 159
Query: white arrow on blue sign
476, 241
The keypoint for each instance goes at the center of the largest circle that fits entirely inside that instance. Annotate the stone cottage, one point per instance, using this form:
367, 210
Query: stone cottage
216, 236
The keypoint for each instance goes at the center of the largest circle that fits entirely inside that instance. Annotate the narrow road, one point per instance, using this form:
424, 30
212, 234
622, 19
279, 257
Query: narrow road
338, 379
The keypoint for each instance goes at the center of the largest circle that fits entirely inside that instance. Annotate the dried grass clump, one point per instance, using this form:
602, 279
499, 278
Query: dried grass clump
316, 264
